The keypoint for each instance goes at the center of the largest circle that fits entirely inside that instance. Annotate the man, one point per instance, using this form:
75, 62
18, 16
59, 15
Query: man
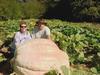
41, 30
22, 35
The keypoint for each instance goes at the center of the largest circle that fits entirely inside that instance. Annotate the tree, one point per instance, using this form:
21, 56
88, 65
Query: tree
33, 9
85, 10
15, 9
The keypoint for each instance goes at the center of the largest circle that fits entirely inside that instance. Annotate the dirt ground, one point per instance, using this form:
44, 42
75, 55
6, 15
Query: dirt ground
5, 68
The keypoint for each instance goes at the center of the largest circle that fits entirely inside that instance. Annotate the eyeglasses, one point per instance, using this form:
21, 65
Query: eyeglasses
23, 26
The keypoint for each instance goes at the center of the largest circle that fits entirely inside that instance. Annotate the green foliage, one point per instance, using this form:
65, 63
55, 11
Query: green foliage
13, 9
10, 9
80, 40
94, 70
81, 10
72, 71
85, 9
2, 58
51, 72
65, 70
32, 9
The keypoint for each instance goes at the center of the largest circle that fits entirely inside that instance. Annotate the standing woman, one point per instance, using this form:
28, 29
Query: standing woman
41, 30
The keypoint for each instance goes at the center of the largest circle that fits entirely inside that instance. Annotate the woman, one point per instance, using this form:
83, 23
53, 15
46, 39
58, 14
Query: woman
22, 35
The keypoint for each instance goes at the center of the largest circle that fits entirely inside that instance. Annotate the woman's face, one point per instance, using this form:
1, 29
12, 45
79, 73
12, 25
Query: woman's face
23, 28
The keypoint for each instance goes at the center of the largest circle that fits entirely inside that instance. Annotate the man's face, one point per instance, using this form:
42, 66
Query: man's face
23, 28
40, 25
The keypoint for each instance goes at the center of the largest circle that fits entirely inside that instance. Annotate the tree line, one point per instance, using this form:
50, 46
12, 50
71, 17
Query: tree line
72, 10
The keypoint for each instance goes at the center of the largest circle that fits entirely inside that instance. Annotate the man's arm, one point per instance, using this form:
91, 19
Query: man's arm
48, 33
48, 37
33, 33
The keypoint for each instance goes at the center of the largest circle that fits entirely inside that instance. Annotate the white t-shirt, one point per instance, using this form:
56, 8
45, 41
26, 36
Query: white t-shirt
21, 37
43, 33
